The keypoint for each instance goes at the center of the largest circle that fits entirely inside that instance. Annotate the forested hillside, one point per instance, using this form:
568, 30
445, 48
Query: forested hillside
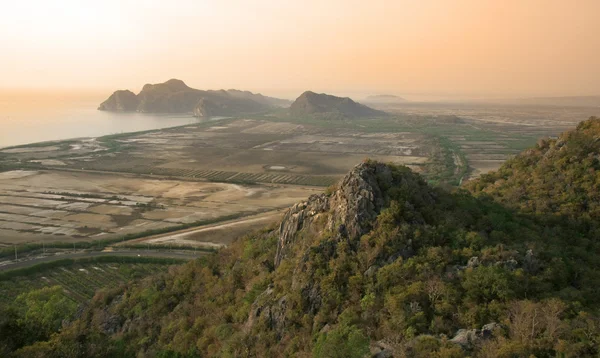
383, 264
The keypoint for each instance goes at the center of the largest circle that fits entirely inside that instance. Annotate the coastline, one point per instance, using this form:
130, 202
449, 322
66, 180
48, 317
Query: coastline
60, 141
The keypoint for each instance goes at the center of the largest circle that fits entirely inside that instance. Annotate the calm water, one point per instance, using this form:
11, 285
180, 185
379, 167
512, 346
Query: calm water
34, 118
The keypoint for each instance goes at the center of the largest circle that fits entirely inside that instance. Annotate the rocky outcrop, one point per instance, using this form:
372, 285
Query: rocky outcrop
205, 108
349, 212
468, 338
122, 100
345, 214
325, 106
174, 96
273, 314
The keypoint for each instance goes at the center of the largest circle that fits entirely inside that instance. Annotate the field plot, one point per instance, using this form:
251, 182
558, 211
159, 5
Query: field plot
71, 206
236, 151
79, 281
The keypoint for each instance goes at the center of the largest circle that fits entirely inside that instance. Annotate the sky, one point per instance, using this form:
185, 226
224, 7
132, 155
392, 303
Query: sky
471, 48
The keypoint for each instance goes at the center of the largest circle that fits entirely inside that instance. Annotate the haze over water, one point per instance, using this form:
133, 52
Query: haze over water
35, 117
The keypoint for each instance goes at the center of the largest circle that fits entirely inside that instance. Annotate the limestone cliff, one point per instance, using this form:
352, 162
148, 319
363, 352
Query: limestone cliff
349, 211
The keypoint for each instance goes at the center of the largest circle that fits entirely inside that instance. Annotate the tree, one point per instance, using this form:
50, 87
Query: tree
342, 342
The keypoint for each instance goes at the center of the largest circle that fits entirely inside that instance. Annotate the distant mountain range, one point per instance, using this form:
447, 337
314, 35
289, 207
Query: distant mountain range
321, 105
174, 96
384, 98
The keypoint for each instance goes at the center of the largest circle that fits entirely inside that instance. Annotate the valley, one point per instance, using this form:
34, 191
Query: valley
132, 185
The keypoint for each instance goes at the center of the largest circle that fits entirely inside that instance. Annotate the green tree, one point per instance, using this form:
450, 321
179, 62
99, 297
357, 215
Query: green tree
342, 342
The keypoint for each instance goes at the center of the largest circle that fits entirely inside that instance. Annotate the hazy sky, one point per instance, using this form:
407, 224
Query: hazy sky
463, 47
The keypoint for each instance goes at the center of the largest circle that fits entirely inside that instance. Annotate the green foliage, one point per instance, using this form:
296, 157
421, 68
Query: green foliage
34, 316
342, 342
559, 177
487, 283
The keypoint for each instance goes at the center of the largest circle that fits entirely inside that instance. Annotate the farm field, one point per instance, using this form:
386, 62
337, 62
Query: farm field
74, 206
79, 281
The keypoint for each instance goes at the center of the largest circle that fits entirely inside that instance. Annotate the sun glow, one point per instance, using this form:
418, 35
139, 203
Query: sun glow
463, 46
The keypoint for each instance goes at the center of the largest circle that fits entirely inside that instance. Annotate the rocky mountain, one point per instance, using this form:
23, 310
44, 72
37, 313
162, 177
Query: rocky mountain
174, 96
382, 265
326, 106
384, 99
122, 100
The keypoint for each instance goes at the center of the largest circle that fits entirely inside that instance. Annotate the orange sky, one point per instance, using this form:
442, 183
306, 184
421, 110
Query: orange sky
448, 47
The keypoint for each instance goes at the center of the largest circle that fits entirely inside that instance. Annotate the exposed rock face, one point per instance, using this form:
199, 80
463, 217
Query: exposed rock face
345, 215
349, 212
205, 108
467, 338
122, 100
174, 96
297, 218
330, 107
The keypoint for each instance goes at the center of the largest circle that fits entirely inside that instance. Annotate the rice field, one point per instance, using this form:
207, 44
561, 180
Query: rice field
217, 175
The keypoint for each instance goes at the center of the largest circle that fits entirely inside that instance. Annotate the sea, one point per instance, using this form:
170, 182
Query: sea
27, 117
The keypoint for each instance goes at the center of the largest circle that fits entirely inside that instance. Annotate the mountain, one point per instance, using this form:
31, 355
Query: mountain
382, 265
326, 106
174, 96
122, 100
557, 177
384, 99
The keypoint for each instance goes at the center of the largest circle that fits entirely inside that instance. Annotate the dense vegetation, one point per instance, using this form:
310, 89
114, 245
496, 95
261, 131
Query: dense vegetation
35, 300
559, 176
507, 267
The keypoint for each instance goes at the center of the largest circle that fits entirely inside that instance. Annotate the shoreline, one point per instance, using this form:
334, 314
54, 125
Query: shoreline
72, 139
